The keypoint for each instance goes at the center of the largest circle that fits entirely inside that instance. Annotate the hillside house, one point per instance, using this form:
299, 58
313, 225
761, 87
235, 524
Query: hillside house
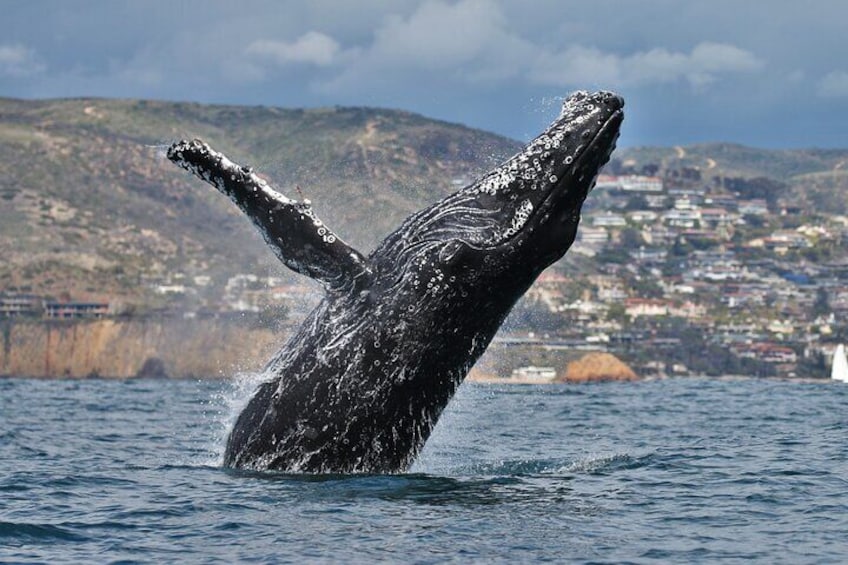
608, 182
642, 216
659, 235
768, 352
781, 242
681, 218
635, 307
73, 310
689, 310
592, 236
756, 207
20, 305
609, 220
650, 255
638, 183
715, 217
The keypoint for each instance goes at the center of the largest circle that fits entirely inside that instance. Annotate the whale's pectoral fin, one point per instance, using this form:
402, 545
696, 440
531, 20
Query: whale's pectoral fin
291, 228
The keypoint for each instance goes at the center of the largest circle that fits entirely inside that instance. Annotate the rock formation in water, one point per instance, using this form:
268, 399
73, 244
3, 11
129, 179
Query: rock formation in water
597, 367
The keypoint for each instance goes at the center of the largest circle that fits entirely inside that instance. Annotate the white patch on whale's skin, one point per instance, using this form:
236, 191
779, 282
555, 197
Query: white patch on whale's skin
225, 167
522, 214
528, 163
332, 261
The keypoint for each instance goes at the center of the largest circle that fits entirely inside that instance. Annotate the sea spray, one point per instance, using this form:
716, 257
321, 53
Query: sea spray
224, 407
159, 149
453, 443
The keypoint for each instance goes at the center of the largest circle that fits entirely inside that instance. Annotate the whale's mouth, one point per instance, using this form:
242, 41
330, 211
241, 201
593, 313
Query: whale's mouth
570, 189
606, 135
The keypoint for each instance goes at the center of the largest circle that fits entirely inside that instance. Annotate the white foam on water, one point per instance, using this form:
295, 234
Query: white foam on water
606, 462
225, 406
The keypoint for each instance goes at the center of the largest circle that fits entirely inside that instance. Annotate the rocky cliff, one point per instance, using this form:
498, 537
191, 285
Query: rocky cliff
123, 349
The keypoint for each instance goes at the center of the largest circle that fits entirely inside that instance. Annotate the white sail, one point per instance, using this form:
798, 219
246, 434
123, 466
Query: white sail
839, 372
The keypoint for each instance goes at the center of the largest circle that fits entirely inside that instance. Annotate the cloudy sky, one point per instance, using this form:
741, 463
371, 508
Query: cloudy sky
769, 73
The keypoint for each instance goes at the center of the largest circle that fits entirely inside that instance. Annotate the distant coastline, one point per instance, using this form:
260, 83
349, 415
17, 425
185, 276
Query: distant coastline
707, 259
177, 348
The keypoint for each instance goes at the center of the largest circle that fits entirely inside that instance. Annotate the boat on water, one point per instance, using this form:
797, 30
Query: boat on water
533, 374
839, 370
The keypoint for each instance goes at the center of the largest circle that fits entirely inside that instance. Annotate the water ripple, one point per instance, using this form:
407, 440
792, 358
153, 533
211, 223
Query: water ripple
19, 533
665, 471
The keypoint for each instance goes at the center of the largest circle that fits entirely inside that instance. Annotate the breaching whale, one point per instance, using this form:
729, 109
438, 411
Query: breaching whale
360, 385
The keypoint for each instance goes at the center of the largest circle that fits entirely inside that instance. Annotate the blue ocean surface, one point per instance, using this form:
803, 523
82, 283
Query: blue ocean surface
680, 470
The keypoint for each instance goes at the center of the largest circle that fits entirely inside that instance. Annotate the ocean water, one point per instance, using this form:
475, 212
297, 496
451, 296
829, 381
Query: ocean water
681, 470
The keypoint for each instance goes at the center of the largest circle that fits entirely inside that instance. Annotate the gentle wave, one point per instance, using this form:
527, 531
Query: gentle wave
26, 532
665, 471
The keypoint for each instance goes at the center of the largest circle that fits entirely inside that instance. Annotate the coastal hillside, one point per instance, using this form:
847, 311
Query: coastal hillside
814, 179
708, 259
90, 208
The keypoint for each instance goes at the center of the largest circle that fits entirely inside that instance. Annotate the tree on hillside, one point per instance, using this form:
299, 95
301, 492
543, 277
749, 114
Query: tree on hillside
758, 187
636, 202
631, 239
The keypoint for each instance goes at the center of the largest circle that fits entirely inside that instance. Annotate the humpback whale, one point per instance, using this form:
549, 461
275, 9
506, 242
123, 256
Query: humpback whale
360, 385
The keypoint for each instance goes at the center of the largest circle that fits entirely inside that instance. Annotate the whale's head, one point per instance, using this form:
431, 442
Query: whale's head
531, 203
525, 212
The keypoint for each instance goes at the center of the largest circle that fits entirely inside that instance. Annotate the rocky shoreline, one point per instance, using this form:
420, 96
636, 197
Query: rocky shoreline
195, 348
123, 349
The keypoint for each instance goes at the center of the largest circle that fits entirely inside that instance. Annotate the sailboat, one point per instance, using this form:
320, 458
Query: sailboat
839, 372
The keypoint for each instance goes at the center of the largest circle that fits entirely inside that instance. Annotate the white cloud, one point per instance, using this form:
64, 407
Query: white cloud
467, 41
19, 61
576, 65
313, 48
721, 57
479, 61
439, 35
472, 41
703, 65
834, 85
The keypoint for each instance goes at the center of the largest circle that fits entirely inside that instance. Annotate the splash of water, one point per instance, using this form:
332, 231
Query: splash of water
160, 150
604, 463
225, 406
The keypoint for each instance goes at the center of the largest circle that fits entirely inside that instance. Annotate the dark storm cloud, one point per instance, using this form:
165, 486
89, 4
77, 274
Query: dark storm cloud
767, 73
